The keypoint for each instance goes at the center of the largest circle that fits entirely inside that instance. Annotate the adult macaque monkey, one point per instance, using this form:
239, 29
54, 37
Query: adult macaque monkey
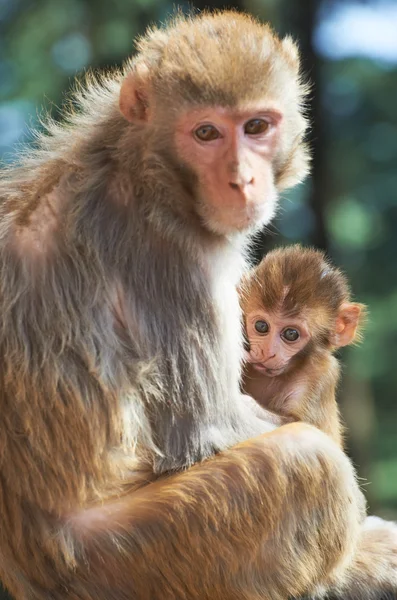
122, 239
297, 312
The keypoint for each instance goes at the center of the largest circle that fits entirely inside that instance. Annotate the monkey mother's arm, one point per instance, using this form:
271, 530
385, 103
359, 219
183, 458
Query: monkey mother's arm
271, 418
275, 515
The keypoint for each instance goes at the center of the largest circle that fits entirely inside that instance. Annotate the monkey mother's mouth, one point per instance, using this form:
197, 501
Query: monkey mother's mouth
266, 371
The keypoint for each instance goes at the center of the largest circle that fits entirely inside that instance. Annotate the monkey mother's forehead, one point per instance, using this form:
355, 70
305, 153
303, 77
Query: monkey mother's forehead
222, 58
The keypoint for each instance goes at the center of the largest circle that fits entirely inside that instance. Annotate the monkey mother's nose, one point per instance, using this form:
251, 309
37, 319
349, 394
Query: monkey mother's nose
240, 185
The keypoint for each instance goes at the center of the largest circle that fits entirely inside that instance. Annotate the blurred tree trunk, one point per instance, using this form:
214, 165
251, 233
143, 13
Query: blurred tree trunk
301, 17
359, 415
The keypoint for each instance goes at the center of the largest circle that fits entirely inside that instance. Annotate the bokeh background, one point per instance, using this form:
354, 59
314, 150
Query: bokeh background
348, 206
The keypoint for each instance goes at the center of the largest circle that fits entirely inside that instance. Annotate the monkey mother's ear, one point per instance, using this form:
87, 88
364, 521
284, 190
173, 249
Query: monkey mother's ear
349, 317
134, 94
291, 52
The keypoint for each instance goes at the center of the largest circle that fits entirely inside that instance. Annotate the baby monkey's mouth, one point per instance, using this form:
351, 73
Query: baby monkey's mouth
262, 368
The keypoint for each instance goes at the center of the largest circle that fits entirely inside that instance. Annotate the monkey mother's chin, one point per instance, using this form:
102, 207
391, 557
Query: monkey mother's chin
226, 220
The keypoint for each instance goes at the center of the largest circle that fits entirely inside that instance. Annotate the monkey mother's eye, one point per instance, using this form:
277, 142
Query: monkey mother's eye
207, 133
290, 335
256, 126
261, 326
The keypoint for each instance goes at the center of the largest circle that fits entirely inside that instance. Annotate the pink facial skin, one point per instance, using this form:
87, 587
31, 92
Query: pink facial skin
232, 153
272, 341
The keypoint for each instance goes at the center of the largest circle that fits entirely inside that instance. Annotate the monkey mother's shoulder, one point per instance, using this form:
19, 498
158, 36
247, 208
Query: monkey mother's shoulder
32, 214
87, 133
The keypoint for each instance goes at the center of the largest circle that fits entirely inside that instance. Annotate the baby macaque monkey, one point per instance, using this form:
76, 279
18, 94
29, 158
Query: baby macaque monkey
297, 312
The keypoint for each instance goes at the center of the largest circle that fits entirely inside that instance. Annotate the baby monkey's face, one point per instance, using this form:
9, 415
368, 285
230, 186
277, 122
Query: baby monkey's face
273, 340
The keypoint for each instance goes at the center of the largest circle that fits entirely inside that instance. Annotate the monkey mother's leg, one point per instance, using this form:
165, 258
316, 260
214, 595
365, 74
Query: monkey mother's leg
270, 518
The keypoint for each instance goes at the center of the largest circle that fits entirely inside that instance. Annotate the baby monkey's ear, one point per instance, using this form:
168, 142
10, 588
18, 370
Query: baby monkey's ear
348, 323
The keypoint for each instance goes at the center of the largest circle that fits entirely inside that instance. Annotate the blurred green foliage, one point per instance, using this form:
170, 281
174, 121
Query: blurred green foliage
45, 43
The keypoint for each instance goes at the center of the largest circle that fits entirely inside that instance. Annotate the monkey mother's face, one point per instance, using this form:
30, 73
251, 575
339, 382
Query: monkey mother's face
274, 340
231, 153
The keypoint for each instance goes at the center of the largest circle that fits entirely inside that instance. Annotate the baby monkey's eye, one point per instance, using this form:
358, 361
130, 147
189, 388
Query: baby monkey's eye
256, 126
290, 335
207, 133
261, 326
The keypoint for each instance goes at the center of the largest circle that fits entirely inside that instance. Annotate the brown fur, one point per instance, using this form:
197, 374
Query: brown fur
120, 358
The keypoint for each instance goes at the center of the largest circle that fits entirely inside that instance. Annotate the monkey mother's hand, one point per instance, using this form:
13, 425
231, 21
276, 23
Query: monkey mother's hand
271, 418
